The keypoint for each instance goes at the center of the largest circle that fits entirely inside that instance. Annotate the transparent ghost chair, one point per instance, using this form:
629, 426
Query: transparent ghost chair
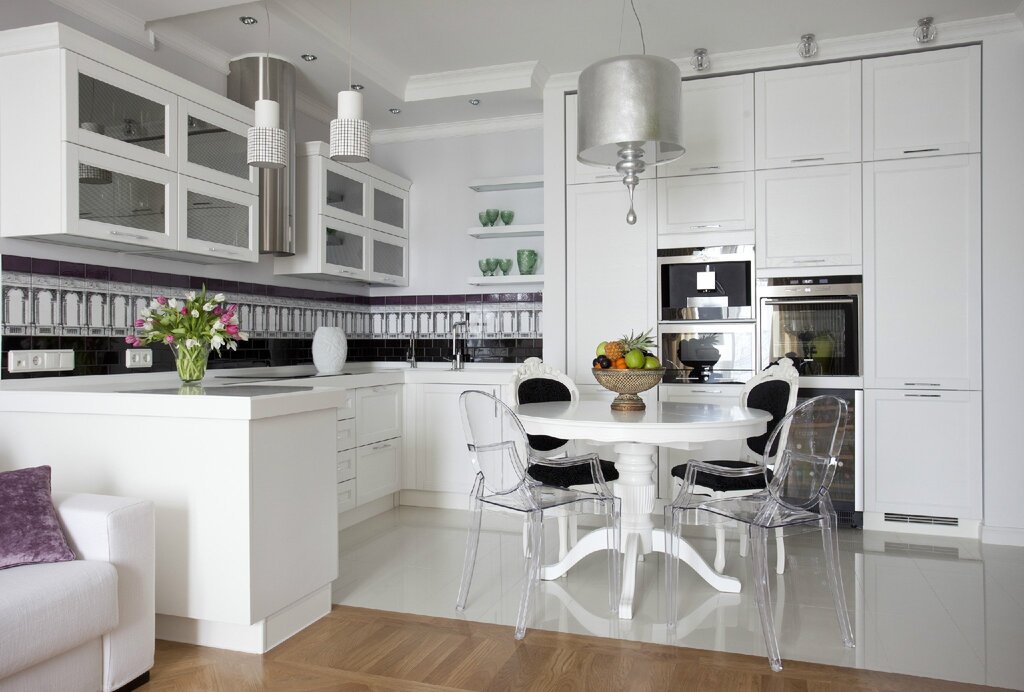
809, 439
499, 451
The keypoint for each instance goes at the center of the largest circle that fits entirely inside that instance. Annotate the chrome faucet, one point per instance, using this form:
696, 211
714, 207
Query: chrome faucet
457, 362
410, 351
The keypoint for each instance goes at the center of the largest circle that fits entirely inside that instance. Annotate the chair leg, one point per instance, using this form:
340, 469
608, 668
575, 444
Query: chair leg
472, 541
612, 516
526, 539
743, 542
532, 576
563, 536
574, 532
762, 593
673, 525
720, 542
780, 552
830, 541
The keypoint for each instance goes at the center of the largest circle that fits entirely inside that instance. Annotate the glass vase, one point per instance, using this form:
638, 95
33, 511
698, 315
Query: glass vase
190, 362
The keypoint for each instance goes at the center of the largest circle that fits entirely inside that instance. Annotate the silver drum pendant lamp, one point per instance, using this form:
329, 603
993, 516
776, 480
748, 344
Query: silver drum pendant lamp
629, 116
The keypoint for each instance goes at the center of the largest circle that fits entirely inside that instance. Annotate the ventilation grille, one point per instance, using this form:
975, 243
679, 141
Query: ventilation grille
921, 519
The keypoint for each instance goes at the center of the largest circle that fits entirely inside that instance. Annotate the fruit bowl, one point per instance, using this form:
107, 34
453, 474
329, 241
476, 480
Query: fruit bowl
627, 383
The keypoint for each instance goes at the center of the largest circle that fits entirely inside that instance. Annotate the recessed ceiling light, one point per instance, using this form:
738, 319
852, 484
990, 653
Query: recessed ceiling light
474, 102
394, 111
248, 21
308, 57
356, 87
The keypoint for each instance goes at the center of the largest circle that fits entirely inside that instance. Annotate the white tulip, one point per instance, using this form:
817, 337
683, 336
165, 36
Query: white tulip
217, 341
208, 307
232, 345
219, 298
195, 313
191, 295
191, 343
146, 312
244, 336
173, 303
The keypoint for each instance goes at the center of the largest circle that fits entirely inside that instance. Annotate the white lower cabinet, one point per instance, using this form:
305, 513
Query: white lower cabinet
346, 496
922, 453
377, 470
378, 413
369, 443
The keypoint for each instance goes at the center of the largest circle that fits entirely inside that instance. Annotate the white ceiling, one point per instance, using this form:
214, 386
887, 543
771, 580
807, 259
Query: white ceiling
428, 57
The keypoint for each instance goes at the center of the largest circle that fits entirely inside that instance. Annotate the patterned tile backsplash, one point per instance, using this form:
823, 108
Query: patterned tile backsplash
93, 307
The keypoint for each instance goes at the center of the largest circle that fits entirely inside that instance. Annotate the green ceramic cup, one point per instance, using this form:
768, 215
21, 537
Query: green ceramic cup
492, 216
505, 265
487, 266
483, 218
527, 261
506, 216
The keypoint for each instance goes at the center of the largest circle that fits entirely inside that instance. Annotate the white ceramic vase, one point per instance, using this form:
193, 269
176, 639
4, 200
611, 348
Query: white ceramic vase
330, 348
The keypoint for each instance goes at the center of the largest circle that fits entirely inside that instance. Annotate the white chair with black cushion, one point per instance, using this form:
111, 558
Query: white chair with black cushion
500, 454
535, 382
807, 440
773, 390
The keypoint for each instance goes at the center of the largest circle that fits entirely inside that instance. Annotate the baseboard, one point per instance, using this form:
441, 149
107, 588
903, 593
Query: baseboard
1002, 535
967, 528
364, 512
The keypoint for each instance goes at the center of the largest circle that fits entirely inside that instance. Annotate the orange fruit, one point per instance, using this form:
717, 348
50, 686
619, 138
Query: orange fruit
619, 364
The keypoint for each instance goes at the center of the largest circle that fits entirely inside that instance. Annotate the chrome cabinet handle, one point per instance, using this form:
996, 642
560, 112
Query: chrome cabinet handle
704, 168
818, 301
810, 261
921, 384
919, 151
606, 175
707, 225
923, 396
809, 158
128, 235
383, 445
707, 391
222, 250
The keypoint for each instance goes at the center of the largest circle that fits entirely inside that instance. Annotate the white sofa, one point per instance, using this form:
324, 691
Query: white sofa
87, 624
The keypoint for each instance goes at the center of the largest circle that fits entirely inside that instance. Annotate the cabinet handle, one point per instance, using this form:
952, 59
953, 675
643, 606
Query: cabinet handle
921, 384
606, 175
819, 301
919, 151
809, 158
704, 168
222, 250
707, 225
707, 391
383, 445
136, 236
810, 261
923, 396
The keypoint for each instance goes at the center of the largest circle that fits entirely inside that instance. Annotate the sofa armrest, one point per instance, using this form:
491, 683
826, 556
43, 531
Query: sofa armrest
120, 531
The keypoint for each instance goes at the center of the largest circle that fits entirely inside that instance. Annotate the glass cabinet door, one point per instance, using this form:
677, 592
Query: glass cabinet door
390, 263
117, 113
217, 222
118, 200
345, 193
390, 209
345, 249
213, 148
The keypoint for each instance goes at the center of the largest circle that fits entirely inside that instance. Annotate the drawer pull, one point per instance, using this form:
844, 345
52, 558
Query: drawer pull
809, 158
919, 151
921, 384
707, 391
810, 261
704, 168
606, 175
707, 225
136, 236
923, 396
383, 445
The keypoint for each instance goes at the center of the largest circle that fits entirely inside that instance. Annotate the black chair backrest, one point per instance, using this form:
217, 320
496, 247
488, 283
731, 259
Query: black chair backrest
771, 396
537, 390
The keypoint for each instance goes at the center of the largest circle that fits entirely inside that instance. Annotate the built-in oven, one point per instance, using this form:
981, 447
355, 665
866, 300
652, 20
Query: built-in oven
815, 321
706, 283
697, 352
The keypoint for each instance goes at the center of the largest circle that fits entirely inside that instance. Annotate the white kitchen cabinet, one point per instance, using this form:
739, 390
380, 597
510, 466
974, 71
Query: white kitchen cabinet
808, 220
611, 278
217, 223
717, 394
923, 453
922, 273
576, 172
390, 208
702, 210
808, 115
377, 470
213, 147
718, 126
923, 104
346, 496
378, 413
389, 259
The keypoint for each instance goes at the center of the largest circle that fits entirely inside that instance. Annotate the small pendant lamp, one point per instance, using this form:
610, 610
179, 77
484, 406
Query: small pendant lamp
350, 134
266, 142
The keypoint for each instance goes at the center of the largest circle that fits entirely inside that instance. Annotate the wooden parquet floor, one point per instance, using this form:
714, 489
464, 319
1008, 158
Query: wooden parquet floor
361, 650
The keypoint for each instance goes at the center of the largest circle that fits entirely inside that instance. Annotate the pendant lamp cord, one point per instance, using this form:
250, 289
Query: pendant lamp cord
643, 43
349, 44
622, 22
266, 9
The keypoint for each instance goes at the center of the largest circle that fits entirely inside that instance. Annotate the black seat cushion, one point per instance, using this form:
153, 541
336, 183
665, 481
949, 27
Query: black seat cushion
771, 396
726, 483
540, 389
568, 476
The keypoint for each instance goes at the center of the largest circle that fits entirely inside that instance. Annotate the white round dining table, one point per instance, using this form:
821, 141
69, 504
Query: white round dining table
636, 436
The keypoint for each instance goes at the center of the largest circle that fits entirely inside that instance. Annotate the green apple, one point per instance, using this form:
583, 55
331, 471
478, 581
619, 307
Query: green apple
651, 363
635, 359
600, 348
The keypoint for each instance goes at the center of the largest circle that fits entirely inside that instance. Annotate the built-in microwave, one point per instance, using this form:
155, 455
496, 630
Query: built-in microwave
722, 352
706, 283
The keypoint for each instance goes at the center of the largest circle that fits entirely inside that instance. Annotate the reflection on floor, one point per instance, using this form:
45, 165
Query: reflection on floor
926, 606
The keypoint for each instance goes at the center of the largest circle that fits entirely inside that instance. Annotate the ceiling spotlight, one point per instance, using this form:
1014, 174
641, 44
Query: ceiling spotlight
925, 31
474, 102
356, 87
308, 57
248, 21
700, 61
394, 111
808, 47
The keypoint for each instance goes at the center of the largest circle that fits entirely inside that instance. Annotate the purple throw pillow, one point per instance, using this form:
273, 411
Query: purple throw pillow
29, 530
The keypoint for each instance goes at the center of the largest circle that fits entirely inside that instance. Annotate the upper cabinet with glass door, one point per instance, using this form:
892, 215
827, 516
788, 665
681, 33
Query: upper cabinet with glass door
212, 147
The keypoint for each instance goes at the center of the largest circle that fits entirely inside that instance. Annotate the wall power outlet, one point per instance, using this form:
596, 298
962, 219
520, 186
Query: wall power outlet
138, 358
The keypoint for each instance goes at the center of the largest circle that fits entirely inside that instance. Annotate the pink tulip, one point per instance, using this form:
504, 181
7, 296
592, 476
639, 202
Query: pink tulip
231, 329
169, 339
140, 323
232, 308
130, 340
218, 310
225, 318
162, 300
184, 310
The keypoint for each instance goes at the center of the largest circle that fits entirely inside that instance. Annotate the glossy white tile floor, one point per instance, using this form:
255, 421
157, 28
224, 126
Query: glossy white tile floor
934, 607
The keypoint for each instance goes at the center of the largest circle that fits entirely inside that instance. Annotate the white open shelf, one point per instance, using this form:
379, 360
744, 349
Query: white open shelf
520, 231
505, 280
518, 182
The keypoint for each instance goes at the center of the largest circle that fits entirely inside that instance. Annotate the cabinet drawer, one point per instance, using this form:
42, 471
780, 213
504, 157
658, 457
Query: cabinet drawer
346, 434
377, 470
378, 413
346, 496
347, 409
346, 465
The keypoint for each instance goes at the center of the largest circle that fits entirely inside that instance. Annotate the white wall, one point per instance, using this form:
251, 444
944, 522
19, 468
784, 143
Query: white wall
1003, 285
442, 256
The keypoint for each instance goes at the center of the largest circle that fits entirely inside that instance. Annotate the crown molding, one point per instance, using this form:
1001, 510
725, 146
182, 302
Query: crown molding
468, 82
465, 128
112, 18
187, 44
313, 107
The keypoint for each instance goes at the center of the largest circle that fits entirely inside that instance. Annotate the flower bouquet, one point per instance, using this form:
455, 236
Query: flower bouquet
191, 327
